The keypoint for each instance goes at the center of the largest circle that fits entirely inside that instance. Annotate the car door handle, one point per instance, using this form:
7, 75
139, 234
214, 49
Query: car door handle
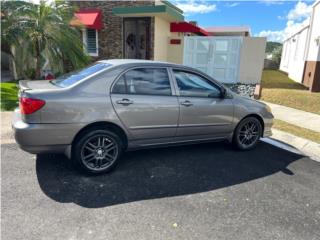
186, 103
124, 101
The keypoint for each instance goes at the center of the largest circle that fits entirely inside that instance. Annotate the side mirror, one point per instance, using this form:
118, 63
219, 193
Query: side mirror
223, 93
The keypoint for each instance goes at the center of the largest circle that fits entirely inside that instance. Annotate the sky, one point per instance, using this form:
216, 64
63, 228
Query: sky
274, 19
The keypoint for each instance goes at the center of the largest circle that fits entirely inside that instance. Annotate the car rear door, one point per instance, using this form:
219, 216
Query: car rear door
143, 99
203, 113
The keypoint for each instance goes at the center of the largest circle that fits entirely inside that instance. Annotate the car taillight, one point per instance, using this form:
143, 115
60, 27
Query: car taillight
30, 105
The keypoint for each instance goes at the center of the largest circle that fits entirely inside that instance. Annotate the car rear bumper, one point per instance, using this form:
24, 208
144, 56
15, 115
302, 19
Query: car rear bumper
43, 138
46, 149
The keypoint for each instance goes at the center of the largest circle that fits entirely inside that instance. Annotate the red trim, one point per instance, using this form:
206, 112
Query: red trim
187, 27
175, 41
91, 18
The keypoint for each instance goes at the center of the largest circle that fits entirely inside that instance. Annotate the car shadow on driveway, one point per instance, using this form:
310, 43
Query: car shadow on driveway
159, 173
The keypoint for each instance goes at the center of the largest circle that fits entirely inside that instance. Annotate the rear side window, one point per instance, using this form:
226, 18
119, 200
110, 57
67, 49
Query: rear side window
69, 79
120, 86
144, 81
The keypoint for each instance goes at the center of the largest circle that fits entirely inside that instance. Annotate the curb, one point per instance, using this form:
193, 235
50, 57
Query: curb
297, 145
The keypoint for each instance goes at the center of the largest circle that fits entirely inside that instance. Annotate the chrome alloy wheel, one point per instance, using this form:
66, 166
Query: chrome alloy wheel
99, 152
249, 134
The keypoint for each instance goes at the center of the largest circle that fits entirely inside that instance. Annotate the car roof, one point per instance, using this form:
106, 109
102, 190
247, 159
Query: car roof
137, 62
118, 62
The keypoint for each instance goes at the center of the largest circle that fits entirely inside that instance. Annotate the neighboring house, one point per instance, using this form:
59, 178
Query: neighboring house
229, 31
156, 30
301, 53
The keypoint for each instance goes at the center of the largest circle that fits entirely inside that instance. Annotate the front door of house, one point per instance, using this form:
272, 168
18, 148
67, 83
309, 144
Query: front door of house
136, 38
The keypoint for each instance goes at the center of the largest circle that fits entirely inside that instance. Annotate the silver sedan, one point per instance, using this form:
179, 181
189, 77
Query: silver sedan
95, 114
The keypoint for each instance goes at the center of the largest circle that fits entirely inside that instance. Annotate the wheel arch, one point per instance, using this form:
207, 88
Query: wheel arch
103, 125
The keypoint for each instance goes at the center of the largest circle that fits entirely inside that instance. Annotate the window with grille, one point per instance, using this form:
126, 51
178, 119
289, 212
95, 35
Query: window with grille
90, 40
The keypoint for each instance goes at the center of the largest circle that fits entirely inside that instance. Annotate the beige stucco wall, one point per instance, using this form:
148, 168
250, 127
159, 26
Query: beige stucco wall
161, 38
175, 51
251, 59
163, 50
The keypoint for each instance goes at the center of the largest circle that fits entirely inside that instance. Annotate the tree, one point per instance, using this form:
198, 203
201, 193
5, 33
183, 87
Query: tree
35, 33
272, 46
276, 55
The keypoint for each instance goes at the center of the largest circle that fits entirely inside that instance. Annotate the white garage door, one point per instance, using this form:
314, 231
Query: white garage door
216, 56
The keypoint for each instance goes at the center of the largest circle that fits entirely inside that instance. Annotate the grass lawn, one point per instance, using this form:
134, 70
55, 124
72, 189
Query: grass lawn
9, 96
278, 88
295, 130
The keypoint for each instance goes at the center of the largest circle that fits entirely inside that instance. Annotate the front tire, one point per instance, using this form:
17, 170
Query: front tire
97, 151
247, 134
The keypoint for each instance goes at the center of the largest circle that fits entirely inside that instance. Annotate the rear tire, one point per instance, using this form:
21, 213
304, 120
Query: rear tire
247, 134
97, 151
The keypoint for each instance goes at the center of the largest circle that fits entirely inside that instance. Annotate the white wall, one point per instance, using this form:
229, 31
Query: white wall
293, 55
217, 56
252, 59
238, 60
284, 56
302, 47
313, 53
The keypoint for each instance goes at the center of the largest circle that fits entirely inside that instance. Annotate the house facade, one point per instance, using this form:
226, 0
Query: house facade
156, 30
301, 53
129, 29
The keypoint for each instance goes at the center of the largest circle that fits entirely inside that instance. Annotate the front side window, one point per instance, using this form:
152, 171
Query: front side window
194, 85
144, 81
90, 41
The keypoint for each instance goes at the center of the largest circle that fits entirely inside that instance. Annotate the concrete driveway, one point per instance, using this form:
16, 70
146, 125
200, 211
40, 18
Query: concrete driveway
206, 191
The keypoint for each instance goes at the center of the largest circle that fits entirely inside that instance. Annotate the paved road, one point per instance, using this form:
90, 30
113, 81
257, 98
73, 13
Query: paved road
206, 191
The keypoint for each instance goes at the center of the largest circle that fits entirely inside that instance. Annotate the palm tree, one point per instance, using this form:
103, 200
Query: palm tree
11, 33
37, 33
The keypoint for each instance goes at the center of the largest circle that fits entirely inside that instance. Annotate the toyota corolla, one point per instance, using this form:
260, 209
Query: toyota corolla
95, 114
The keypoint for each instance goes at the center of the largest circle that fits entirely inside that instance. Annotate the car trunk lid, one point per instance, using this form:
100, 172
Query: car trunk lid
25, 85
31, 98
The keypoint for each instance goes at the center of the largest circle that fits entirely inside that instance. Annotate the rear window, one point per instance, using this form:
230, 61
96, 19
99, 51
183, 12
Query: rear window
69, 79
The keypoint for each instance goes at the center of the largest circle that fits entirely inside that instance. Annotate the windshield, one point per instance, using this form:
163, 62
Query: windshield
69, 79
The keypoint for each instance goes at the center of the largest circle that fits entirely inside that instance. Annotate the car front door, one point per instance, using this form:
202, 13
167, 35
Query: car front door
203, 112
142, 98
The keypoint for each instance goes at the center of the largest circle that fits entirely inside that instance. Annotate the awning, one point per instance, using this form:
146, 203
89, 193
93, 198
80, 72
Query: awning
91, 18
166, 11
187, 27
